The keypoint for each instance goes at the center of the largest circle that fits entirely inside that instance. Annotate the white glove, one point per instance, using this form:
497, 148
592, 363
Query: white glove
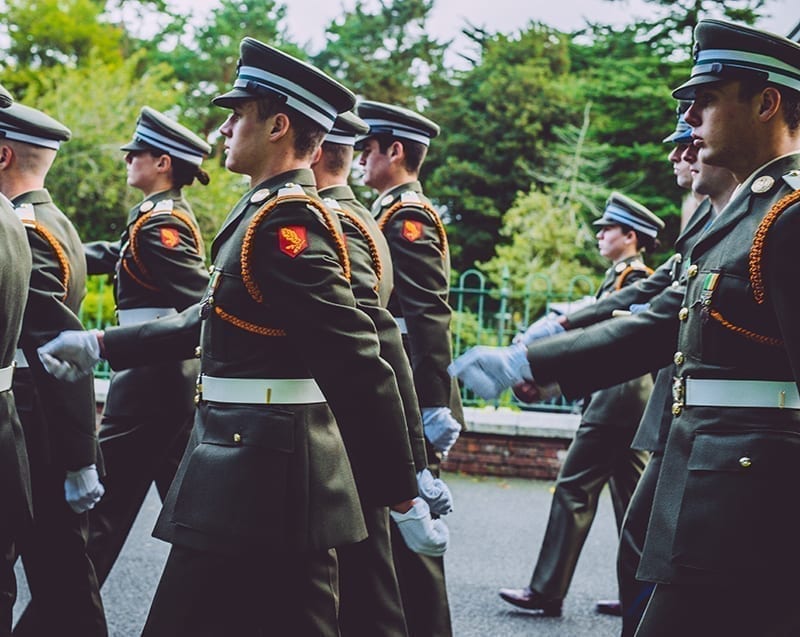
71, 355
545, 326
82, 488
441, 429
488, 371
435, 492
637, 308
421, 533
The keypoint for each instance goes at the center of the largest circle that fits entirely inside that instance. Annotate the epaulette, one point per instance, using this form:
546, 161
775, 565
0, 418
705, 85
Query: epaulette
409, 196
27, 215
627, 268
291, 190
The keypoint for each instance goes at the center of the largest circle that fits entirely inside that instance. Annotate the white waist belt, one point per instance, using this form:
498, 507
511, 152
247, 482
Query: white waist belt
263, 391
20, 360
6, 377
401, 323
143, 314
702, 392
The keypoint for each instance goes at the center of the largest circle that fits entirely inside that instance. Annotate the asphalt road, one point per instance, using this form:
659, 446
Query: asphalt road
496, 530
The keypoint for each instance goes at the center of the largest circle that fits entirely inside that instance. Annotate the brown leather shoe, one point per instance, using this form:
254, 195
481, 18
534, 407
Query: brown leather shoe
609, 607
531, 600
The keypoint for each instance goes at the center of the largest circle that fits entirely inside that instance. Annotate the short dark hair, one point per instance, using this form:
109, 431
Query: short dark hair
790, 98
414, 151
644, 242
336, 157
183, 173
307, 133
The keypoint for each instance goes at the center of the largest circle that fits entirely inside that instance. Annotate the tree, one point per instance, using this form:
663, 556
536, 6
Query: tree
386, 55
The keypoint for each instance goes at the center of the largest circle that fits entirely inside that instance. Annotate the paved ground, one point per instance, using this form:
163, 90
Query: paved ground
495, 533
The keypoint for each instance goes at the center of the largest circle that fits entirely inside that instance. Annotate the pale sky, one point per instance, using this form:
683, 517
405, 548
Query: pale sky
307, 19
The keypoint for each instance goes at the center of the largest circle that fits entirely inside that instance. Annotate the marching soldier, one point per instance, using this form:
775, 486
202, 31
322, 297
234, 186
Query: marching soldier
265, 490
600, 452
370, 595
721, 541
392, 152
58, 417
159, 268
15, 497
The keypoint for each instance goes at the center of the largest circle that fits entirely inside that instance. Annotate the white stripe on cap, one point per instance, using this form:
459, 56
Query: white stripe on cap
624, 217
297, 97
396, 130
778, 72
339, 137
17, 135
168, 144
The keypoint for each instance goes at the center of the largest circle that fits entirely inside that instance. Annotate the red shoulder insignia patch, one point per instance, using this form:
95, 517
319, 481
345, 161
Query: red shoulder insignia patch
292, 240
170, 237
412, 230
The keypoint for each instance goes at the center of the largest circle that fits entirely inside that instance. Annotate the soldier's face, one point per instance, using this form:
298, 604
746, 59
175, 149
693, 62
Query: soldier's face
724, 125
680, 167
245, 139
376, 165
142, 169
614, 244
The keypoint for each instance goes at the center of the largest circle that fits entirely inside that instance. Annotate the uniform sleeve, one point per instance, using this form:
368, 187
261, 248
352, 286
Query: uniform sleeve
303, 280
421, 288
602, 355
172, 338
69, 407
101, 256
174, 261
641, 290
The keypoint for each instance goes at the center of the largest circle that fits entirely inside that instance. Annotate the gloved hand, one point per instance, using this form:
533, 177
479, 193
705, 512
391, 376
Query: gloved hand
421, 533
545, 326
441, 429
435, 492
71, 355
636, 308
487, 371
82, 488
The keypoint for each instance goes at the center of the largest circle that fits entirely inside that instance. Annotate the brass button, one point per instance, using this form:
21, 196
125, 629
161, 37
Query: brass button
683, 314
677, 408
237, 438
745, 462
211, 269
197, 399
678, 358
198, 352
692, 271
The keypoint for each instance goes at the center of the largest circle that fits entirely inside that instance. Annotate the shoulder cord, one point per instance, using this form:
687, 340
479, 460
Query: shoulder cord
134, 243
61, 256
247, 253
373, 248
627, 271
756, 260
422, 206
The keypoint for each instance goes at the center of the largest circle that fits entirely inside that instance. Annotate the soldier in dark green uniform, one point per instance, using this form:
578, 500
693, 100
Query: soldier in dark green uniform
58, 417
392, 153
159, 268
15, 499
600, 454
265, 490
721, 543
370, 595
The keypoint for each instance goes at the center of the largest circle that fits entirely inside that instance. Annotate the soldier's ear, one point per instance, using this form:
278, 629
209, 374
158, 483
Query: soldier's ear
5, 155
770, 103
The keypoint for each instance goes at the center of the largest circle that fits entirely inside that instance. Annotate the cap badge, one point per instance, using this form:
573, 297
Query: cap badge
259, 195
147, 206
412, 230
762, 184
170, 237
292, 240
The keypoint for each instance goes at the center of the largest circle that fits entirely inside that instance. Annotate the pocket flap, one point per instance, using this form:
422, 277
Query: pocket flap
759, 451
248, 426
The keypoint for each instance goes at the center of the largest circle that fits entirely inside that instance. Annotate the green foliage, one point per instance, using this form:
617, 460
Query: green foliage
97, 309
386, 55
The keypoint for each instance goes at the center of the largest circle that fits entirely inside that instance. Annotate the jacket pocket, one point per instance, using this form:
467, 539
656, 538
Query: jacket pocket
739, 508
236, 481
